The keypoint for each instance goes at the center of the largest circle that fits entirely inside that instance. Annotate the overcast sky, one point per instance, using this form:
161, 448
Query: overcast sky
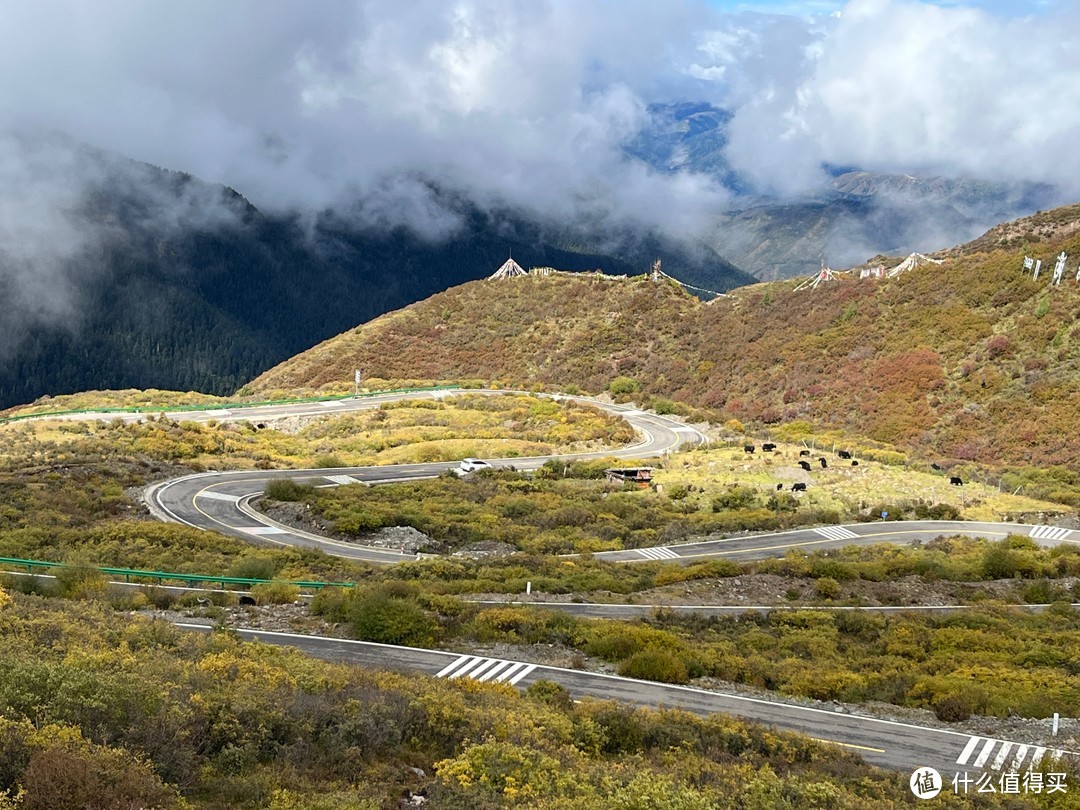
308, 104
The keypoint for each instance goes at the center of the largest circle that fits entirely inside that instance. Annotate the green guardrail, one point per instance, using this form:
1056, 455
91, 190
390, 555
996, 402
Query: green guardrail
159, 577
220, 405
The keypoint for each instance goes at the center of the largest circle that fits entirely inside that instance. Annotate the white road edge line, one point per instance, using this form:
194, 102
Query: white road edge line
604, 676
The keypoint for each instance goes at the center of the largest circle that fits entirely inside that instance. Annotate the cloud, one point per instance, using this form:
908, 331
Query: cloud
301, 105
370, 106
56, 224
897, 85
41, 229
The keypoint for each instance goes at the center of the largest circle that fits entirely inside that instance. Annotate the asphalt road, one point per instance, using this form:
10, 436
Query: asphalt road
777, 544
888, 743
220, 500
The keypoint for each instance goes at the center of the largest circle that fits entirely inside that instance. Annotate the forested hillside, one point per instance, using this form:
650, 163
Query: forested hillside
169, 282
971, 359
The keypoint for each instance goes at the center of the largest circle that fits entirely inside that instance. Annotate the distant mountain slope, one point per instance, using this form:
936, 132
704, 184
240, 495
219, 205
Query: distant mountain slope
558, 330
859, 215
169, 282
971, 359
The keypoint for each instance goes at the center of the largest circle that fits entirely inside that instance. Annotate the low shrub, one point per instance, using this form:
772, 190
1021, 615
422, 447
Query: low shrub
285, 489
655, 665
275, 593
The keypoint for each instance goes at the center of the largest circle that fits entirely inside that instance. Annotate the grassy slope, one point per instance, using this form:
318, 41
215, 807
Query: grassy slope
970, 359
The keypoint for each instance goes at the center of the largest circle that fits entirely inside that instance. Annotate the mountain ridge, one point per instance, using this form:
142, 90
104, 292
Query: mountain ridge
971, 360
166, 281
854, 213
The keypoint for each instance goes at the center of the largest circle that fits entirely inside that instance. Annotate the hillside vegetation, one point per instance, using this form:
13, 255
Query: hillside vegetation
394, 433
571, 509
103, 710
971, 360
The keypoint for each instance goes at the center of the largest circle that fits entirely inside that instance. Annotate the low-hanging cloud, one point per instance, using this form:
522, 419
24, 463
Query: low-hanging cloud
905, 86
306, 106
370, 107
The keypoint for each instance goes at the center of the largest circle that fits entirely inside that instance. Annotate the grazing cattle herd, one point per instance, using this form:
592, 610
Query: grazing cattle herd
846, 455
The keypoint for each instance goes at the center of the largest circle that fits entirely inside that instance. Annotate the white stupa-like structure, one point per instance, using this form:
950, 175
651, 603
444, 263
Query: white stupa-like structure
510, 269
910, 263
826, 274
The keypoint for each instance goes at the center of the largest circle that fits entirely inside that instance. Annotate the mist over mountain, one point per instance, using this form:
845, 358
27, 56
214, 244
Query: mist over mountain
371, 138
850, 217
118, 274
972, 359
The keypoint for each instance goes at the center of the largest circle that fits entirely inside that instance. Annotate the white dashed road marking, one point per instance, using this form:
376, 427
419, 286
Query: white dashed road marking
999, 760
1050, 533
1003, 749
483, 669
965, 755
658, 553
984, 755
836, 532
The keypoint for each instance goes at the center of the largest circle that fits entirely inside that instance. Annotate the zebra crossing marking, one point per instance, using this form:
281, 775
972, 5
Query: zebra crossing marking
1019, 752
968, 749
984, 755
335, 403
342, 479
442, 673
499, 667
658, 553
482, 669
264, 530
1050, 532
836, 532
999, 760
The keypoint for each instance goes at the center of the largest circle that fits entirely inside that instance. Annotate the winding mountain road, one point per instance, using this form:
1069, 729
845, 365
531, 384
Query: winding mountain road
219, 501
